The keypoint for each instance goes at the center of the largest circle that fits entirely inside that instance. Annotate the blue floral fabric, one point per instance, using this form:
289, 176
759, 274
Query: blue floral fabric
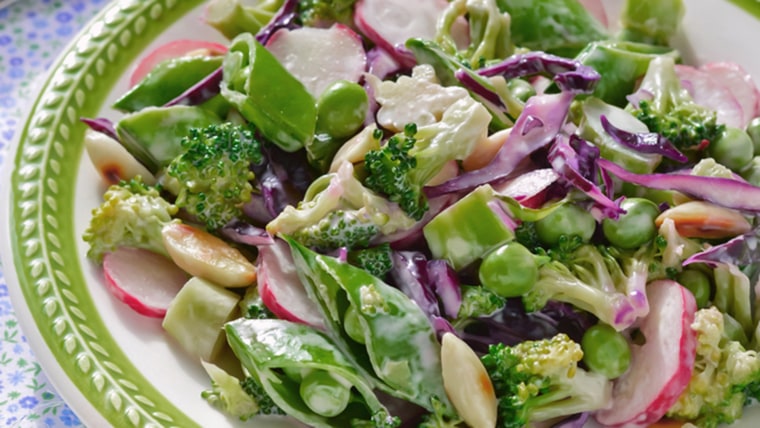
32, 33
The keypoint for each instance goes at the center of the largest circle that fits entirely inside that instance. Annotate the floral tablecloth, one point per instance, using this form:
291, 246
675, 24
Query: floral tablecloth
32, 33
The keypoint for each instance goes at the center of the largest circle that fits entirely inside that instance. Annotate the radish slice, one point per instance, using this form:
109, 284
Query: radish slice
596, 9
661, 368
320, 56
173, 49
144, 280
741, 85
280, 287
708, 91
390, 23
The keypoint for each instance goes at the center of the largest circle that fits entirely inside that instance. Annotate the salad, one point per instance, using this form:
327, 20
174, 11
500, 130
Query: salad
484, 213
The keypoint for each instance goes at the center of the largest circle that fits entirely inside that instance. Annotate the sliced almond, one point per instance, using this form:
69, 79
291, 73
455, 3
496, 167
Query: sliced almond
467, 384
700, 219
485, 150
204, 255
112, 160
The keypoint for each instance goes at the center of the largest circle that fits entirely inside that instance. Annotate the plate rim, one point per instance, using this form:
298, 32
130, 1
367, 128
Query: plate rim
42, 270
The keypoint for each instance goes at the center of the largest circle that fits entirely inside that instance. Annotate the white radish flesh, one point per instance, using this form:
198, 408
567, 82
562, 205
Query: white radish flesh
280, 287
740, 84
204, 255
144, 280
660, 368
318, 57
390, 23
709, 92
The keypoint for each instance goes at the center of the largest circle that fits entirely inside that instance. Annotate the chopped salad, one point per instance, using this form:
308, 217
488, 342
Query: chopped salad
484, 213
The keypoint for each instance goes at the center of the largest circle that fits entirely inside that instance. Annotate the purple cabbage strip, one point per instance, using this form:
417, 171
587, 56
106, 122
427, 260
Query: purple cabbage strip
568, 164
740, 251
538, 125
245, 233
410, 275
102, 125
284, 18
725, 192
204, 90
644, 142
576, 421
446, 285
570, 75
488, 96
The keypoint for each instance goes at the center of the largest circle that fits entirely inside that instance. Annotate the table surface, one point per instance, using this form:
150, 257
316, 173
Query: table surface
32, 33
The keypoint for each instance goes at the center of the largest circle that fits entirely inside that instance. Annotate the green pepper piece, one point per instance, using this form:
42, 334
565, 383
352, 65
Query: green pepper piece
154, 135
279, 354
400, 346
621, 65
168, 80
267, 95
592, 130
561, 27
467, 230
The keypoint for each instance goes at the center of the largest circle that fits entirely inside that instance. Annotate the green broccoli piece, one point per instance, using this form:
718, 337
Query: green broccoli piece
339, 199
376, 260
381, 419
266, 405
323, 13
131, 215
228, 395
671, 112
212, 177
609, 283
252, 307
338, 229
540, 380
725, 375
440, 417
478, 301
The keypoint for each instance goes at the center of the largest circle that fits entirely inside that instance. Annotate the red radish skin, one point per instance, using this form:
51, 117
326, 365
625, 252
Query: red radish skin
144, 280
662, 367
173, 49
708, 91
318, 57
740, 84
280, 287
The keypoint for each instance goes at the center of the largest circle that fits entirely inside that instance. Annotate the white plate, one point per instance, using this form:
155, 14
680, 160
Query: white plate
112, 366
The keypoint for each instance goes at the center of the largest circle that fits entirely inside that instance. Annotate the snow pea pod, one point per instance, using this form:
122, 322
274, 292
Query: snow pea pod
154, 135
621, 65
399, 346
288, 358
167, 80
267, 95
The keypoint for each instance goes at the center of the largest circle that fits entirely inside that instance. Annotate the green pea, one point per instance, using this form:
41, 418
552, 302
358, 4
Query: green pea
733, 148
325, 393
341, 109
751, 172
634, 228
509, 271
753, 130
568, 220
698, 283
606, 351
521, 89
352, 325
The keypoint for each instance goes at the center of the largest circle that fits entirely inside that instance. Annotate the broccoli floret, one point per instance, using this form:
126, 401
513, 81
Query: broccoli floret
131, 215
672, 112
376, 260
339, 229
212, 177
252, 307
337, 197
266, 405
381, 419
540, 380
440, 417
323, 13
609, 283
478, 301
227, 394
725, 375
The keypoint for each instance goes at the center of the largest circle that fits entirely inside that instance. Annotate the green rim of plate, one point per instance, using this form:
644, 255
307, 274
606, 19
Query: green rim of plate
44, 246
